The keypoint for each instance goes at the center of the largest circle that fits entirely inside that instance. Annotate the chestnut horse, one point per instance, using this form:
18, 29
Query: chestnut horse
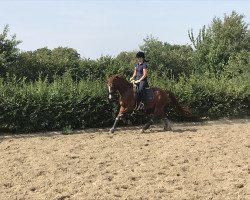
128, 102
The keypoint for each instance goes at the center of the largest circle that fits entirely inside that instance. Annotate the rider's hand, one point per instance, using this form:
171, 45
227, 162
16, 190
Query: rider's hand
131, 79
138, 81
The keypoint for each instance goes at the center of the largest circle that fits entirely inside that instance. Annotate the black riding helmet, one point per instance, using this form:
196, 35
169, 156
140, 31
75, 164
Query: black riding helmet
140, 54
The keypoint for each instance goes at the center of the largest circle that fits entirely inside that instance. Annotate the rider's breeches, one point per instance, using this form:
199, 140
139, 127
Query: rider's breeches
141, 89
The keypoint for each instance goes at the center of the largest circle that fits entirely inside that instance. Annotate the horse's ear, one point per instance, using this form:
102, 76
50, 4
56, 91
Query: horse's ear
108, 76
119, 76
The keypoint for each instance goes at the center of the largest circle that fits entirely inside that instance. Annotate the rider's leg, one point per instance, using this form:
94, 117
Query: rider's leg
141, 95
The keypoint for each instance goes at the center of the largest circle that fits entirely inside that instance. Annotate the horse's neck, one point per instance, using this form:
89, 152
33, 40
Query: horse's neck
123, 87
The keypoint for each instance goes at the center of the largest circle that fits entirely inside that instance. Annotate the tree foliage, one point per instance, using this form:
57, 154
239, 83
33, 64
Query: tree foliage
8, 50
165, 58
222, 41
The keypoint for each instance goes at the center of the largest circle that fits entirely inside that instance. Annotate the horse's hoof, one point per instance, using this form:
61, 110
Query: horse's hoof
167, 129
112, 130
142, 131
129, 122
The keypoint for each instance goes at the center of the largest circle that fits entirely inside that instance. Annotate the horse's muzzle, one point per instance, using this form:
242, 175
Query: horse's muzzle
113, 97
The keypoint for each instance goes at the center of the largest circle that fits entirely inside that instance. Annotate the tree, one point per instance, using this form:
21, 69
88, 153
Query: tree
8, 51
221, 40
167, 59
31, 64
46, 63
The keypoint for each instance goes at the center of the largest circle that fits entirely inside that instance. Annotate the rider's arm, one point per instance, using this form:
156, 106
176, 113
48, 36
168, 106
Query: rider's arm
134, 74
145, 73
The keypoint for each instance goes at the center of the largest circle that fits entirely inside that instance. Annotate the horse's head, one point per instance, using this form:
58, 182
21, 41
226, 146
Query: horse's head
117, 83
112, 86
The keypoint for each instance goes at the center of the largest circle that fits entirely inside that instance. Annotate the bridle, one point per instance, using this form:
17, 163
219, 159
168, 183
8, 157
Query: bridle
112, 93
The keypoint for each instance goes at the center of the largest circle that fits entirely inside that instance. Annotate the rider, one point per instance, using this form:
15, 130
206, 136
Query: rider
140, 76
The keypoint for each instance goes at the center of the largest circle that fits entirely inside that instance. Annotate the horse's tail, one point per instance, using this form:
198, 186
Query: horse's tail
178, 107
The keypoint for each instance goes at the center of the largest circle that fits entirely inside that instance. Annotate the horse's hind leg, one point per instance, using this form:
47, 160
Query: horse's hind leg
147, 125
160, 114
166, 124
126, 121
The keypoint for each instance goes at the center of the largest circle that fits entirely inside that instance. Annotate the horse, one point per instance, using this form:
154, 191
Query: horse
156, 106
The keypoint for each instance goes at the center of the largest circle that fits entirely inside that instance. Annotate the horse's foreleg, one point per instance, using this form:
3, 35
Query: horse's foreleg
117, 119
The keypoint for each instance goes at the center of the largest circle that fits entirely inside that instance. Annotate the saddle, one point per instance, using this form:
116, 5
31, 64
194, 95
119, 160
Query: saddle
148, 93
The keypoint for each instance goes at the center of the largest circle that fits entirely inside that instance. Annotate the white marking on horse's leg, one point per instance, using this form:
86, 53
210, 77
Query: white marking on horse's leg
117, 119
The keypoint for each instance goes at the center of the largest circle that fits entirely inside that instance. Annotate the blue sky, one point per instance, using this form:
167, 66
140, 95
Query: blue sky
107, 27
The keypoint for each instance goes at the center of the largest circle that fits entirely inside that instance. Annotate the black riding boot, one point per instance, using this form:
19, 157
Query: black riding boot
140, 102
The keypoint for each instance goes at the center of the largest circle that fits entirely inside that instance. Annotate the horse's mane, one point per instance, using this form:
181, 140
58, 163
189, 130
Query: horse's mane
114, 76
119, 77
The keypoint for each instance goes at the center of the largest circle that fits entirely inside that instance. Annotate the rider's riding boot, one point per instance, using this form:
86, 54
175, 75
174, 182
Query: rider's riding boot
140, 105
140, 102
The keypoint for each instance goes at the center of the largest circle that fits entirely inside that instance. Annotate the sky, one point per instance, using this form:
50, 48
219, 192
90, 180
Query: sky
108, 27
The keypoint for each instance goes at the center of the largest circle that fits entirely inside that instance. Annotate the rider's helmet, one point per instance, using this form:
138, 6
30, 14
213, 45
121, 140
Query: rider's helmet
140, 54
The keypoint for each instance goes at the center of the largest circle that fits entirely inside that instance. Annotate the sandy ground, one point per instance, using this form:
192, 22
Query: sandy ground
207, 161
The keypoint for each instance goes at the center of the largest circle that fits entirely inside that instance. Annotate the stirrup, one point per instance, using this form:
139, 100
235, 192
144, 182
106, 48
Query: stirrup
141, 106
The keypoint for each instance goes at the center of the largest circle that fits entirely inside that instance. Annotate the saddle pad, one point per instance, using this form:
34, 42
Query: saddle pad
149, 94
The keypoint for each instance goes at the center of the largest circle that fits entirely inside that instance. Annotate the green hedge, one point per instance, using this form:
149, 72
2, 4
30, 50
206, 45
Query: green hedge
211, 97
41, 105
48, 106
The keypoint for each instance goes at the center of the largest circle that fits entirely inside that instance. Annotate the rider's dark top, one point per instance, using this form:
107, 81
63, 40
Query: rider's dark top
139, 71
